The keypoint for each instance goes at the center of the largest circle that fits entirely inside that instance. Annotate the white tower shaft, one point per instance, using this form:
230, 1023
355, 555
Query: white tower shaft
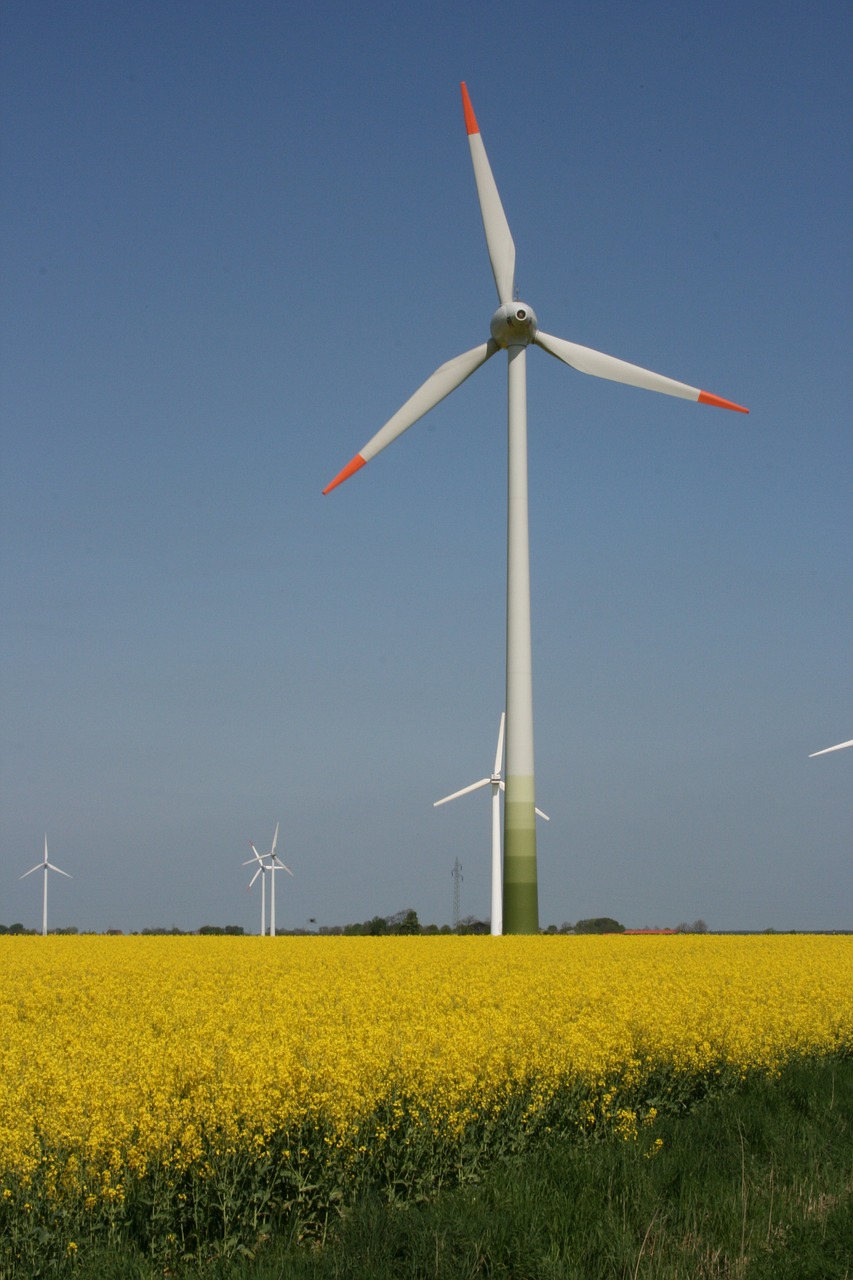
521, 905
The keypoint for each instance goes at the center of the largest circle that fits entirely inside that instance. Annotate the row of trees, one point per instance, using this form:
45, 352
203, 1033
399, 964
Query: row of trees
401, 923
405, 922
235, 930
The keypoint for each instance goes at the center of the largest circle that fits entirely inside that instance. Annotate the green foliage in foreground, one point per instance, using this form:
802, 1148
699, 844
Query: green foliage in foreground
751, 1185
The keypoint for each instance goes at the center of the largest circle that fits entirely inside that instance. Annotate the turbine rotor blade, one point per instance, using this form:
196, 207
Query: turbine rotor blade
446, 378
499, 754
38, 867
484, 782
586, 360
274, 842
839, 747
255, 876
59, 869
502, 785
498, 236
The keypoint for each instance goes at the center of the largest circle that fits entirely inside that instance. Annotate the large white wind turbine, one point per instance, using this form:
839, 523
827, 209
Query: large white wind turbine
513, 327
840, 747
44, 866
496, 782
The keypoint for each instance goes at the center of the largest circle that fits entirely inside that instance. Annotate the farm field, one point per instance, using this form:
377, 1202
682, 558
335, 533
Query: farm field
194, 1097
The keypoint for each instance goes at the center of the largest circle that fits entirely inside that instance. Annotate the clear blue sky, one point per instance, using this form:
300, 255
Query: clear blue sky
235, 238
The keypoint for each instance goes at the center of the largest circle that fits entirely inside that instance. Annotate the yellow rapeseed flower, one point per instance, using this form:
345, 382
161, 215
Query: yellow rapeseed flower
122, 1053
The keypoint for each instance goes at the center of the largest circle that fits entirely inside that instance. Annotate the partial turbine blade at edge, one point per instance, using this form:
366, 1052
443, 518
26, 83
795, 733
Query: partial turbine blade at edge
498, 235
535, 810
446, 378
499, 754
839, 747
484, 782
586, 360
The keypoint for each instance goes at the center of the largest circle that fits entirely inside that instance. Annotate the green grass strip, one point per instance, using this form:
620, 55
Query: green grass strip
755, 1184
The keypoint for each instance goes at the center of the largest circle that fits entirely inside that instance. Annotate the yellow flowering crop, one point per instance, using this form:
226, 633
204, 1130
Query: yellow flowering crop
118, 1052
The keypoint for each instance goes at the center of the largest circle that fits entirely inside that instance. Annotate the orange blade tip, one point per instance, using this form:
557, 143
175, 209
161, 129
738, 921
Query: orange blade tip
470, 119
349, 470
705, 397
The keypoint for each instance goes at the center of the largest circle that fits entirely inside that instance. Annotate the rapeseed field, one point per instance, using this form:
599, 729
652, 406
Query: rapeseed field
182, 1090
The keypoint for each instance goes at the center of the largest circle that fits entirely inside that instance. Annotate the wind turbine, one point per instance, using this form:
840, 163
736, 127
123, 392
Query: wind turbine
513, 327
275, 864
44, 866
839, 747
495, 781
262, 872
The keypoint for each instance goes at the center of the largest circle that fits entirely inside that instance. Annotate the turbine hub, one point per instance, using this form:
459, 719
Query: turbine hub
514, 325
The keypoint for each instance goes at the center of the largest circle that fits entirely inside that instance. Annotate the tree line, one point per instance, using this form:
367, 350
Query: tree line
400, 923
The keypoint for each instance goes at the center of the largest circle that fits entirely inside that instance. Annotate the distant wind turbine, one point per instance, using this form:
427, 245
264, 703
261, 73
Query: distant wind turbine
839, 747
273, 864
497, 784
276, 864
262, 872
44, 866
513, 328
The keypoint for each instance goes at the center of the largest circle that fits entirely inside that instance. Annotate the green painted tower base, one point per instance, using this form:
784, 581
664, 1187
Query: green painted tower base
521, 891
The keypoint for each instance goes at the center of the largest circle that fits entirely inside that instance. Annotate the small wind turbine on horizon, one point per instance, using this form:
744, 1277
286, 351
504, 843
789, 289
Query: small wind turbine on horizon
274, 864
514, 327
44, 866
839, 747
262, 872
496, 782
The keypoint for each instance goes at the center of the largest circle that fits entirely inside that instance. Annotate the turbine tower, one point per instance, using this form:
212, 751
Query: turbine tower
457, 880
44, 866
496, 782
513, 327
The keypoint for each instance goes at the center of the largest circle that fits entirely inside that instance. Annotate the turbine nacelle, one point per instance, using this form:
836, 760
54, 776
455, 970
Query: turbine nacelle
514, 325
